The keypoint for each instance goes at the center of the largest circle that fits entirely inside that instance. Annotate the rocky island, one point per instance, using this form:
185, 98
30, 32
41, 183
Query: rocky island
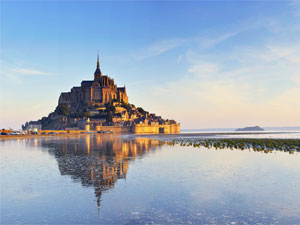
101, 105
255, 128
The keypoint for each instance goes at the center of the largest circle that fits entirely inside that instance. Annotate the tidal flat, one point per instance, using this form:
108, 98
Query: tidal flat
110, 179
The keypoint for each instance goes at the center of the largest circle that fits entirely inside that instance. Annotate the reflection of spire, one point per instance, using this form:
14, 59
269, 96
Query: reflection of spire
99, 201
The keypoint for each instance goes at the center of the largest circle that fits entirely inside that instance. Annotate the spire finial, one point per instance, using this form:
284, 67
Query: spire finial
98, 66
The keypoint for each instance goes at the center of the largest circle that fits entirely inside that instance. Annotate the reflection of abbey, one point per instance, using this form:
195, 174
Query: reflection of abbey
101, 90
97, 161
101, 105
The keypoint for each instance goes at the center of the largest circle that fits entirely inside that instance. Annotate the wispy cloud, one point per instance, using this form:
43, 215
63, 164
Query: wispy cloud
204, 69
15, 72
201, 41
291, 54
158, 48
25, 71
209, 42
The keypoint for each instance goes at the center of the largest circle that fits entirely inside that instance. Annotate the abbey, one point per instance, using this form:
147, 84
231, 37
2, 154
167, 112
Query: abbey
100, 105
99, 91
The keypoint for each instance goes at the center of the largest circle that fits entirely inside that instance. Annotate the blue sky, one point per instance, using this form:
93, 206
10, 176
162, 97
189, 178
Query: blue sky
205, 64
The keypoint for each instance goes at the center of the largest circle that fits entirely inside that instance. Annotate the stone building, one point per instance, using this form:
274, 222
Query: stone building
32, 126
99, 91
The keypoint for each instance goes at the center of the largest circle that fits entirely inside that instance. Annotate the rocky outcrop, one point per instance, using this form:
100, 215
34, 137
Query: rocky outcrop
255, 128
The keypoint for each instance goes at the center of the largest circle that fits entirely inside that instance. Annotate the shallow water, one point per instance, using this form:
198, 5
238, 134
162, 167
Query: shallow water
106, 179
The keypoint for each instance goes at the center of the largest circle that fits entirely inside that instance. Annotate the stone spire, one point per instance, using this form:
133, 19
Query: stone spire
98, 72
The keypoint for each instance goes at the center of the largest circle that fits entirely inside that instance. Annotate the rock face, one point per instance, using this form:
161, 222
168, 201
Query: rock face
55, 122
255, 128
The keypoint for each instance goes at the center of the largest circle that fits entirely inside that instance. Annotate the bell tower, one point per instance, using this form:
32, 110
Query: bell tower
98, 73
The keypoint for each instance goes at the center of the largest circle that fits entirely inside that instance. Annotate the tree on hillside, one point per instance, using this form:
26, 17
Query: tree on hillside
110, 108
109, 117
126, 106
62, 109
141, 110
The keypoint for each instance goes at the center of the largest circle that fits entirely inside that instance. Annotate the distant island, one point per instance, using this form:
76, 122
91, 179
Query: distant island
255, 128
100, 105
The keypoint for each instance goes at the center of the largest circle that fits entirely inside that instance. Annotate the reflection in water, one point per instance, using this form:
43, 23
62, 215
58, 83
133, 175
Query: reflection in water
97, 161
175, 185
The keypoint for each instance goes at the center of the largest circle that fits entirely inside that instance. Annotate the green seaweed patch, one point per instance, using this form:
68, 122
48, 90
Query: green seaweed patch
257, 145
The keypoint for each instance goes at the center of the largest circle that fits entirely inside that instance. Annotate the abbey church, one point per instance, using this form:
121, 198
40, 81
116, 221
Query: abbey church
99, 91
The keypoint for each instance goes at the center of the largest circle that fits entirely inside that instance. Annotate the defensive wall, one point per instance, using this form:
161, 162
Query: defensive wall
137, 129
156, 129
142, 129
115, 129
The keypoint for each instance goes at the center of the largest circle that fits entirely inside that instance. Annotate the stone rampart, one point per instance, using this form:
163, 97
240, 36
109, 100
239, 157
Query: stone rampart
115, 129
156, 129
